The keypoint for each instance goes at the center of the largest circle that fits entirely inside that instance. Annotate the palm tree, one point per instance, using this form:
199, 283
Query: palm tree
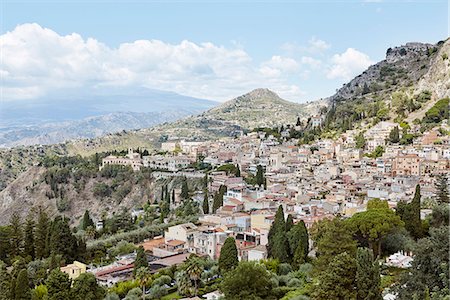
144, 278
194, 269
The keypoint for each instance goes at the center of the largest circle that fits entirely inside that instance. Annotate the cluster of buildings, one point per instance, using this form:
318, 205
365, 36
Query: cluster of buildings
311, 182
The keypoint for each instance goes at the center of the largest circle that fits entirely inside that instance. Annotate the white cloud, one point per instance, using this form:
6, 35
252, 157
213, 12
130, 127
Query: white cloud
311, 62
348, 64
38, 60
314, 46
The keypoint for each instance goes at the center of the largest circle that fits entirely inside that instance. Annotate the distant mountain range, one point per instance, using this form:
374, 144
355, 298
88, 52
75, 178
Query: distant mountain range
60, 117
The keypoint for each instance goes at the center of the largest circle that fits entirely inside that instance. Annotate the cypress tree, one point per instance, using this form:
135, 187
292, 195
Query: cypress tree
86, 221
173, 195
394, 135
41, 233
367, 276
442, 193
184, 189
5, 282
16, 235
298, 257
162, 193
278, 245
29, 249
22, 288
228, 258
238, 171
205, 202
141, 259
61, 239
410, 214
259, 175
298, 237
289, 222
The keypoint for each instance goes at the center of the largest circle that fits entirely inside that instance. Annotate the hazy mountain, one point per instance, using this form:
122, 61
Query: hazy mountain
56, 118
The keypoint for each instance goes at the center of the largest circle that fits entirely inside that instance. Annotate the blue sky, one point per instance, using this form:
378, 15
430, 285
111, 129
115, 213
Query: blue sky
303, 50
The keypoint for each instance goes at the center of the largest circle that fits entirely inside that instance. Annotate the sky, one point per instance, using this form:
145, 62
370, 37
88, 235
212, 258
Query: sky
217, 50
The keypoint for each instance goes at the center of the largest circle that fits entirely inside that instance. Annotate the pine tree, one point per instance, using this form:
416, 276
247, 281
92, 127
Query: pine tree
41, 233
410, 214
298, 237
394, 135
16, 235
228, 258
86, 221
205, 202
184, 189
278, 245
367, 276
141, 259
216, 202
442, 193
298, 257
22, 288
5, 282
58, 285
62, 241
29, 249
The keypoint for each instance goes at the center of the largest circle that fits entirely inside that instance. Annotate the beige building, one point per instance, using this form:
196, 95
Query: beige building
131, 159
74, 270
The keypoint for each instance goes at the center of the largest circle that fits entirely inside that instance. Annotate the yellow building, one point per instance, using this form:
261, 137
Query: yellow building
74, 270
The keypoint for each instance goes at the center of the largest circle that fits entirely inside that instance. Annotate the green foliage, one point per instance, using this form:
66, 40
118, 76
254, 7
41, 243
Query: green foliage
394, 135
440, 216
228, 259
62, 241
121, 248
441, 185
29, 249
367, 276
338, 281
86, 221
378, 152
41, 233
228, 168
22, 289
218, 198
298, 243
374, 224
141, 259
40, 292
85, 287
248, 281
184, 189
331, 238
205, 204
15, 235
360, 141
278, 245
438, 112
122, 288
5, 282
377, 204
102, 190
410, 215
430, 268
259, 175
58, 285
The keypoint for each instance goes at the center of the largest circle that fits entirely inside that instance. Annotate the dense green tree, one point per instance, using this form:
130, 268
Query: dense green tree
228, 258
337, 282
143, 276
4, 243
58, 285
16, 235
249, 280
238, 171
173, 195
440, 215
430, 268
62, 241
331, 238
184, 189
360, 141
298, 243
85, 287
259, 175
194, 269
377, 204
410, 214
394, 135
218, 198
40, 292
278, 244
289, 222
373, 225
29, 249
5, 282
86, 221
41, 234
442, 193
22, 288
141, 259
367, 276
205, 202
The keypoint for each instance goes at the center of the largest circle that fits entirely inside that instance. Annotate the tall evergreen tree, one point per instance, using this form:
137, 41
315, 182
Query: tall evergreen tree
16, 235
394, 135
4, 243
22, 288
289, 222
141, 259
173, 196
85, 287
86, 221
410, 214
5, 282
62, 241
367, 276
29, 237
278, 245
298, 237
228, 258
205, 202
41, 233
58, 285
259, 175
238, 171
184, 189
442, 193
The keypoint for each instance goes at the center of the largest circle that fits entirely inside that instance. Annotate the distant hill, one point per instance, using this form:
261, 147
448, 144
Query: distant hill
258, 108
67, 114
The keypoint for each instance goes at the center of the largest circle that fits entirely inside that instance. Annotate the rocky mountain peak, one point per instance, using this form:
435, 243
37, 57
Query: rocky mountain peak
407, 52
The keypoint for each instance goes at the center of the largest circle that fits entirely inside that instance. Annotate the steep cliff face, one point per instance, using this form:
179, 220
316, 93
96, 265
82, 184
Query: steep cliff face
437, 78
403, 67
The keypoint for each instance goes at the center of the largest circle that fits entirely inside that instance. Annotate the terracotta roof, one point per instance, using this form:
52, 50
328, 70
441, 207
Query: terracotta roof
114, 269
175, 243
